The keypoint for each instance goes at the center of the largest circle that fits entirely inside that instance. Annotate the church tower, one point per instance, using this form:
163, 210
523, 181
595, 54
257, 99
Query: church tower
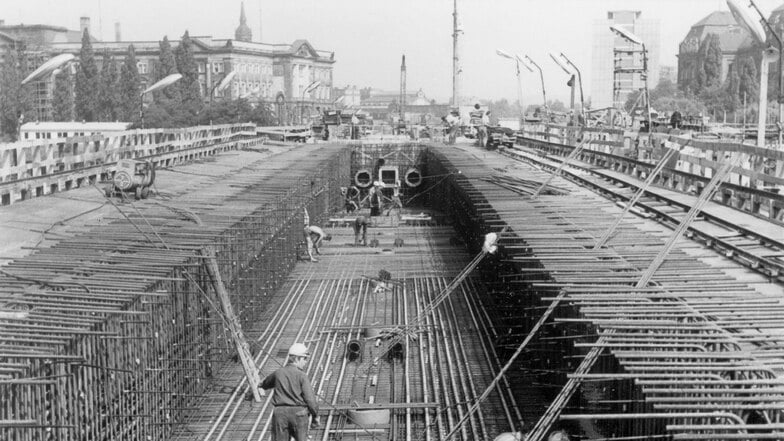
243, 32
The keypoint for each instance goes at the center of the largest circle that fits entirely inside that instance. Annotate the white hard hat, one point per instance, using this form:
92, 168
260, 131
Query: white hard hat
298, 350
489, 245
509, 436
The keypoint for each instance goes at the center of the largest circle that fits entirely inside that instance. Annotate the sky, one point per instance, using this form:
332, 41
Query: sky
370, 36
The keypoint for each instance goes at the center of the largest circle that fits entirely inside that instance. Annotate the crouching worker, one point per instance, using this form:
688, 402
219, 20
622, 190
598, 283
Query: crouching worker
314, 236
293, 400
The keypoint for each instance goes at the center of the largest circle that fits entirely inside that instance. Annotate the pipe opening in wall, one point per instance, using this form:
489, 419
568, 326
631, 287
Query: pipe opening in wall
413, 178
363, 178
354, 350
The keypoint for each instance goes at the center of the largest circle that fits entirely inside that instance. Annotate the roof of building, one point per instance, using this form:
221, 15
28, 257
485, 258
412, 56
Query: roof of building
37, 33
722, 23
717, 18
75, 126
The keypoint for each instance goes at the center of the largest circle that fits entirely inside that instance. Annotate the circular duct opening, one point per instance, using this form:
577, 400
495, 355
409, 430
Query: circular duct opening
413, 178
363, 178
353, 350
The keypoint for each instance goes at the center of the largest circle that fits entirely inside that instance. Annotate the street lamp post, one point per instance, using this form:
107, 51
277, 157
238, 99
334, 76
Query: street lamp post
165, 82
580, 80
312, 86
49, 67
781, 72
541, 78
517, 61
758, 34
570, 83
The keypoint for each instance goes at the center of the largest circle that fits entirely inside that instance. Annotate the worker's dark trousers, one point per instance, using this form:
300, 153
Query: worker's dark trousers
290, 421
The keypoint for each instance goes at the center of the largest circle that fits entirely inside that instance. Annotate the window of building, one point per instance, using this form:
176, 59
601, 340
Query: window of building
202, 68
142, 67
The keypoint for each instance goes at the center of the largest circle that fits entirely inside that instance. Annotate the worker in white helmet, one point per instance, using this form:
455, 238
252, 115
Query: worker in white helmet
293, 398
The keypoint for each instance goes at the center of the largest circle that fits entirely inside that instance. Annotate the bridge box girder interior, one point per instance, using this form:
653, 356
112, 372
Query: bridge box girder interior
516, 298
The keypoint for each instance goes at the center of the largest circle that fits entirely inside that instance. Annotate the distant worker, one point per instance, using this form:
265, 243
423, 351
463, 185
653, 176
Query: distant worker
383, 283
453, 124
360, 225
676, 119
354, 126
375, 199
293, 397
485, 125
478, 122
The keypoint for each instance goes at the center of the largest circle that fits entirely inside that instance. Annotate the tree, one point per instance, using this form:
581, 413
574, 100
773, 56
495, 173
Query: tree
190, 91
15, 99
226, 111
167, 65
711, 60
87, 82
263, 115
749, 78
732, 88
129, 88
109, 96
62, 96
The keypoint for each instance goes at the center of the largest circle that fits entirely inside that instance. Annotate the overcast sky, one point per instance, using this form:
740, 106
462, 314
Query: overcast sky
369, 36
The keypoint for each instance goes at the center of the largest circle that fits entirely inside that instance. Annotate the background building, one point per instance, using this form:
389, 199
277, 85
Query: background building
605, 44
265, 73
385, 106
732, 39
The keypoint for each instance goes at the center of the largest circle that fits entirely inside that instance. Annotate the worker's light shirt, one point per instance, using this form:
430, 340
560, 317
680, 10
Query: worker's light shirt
292, 388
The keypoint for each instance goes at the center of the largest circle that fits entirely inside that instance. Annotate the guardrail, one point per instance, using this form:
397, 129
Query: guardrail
40, 167
691, 172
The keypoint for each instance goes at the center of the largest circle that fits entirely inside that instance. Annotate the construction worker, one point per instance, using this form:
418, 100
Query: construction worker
360, 224
453, 124
313, 236
375, 198
293, 398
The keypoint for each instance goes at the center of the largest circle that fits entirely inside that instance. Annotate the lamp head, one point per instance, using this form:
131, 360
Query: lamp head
625, 33
167, 81
561, 64
523, 63
312, 86
48, 67
226, 81
742, 16
504, 54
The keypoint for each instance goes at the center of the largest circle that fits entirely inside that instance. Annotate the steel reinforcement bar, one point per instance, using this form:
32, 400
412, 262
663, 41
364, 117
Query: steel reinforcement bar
114, 330
694, 355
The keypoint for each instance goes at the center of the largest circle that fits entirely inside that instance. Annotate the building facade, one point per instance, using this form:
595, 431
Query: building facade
275, 74
615, 60
732, 40
385, 106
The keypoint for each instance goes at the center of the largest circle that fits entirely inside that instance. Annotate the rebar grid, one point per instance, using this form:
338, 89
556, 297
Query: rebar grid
696, 323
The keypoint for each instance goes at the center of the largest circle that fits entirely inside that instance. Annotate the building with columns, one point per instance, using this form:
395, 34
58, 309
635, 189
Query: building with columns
273, 74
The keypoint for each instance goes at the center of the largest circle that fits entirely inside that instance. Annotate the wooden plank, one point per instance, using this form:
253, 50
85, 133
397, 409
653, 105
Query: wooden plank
234, 325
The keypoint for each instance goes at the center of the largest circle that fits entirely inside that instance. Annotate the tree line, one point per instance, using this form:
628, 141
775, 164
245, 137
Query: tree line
111, 91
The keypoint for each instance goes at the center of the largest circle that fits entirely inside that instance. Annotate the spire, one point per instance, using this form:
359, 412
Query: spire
243, 32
